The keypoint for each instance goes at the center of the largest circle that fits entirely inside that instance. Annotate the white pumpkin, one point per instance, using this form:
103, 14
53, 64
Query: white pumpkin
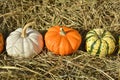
24, 43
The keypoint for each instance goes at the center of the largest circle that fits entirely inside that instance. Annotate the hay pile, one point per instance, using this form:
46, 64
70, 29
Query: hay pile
81, 15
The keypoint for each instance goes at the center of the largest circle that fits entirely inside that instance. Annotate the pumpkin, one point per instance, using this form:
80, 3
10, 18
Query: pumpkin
100, 42
62, 40
24, 43
1, 42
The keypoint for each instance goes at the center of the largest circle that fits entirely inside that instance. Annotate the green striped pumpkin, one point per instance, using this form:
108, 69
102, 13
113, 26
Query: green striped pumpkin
100, 42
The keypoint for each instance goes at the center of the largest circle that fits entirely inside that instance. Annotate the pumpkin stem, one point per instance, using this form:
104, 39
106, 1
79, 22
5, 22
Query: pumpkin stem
25, 28
62, 32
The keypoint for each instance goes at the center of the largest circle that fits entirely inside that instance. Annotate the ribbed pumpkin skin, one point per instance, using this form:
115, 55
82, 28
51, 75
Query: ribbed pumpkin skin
1, 42
100, 42
62, 44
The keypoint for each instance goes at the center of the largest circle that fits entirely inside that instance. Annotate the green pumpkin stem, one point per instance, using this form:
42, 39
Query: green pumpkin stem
62, 32
25, 28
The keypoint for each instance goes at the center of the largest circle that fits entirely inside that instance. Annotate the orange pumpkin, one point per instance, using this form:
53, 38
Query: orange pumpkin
62, 40
1, 42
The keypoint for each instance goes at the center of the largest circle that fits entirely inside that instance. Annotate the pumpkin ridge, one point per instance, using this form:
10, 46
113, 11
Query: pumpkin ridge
37, 49
91, 32
15, 41
103, 34
23, 45
53, 47
59, 44
32, 41
99, 48
52, 43
32, 32
15, 46
89, 37
12, 47
111, 38
26, 41
107, 48
74, 36
29, 44
96, 34
16, 31
92, 46
64, 37
69, 43
68, 31
51, 33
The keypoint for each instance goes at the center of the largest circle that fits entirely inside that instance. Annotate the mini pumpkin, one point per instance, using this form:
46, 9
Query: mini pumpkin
24, 43
1, 42
62, 40
100, 42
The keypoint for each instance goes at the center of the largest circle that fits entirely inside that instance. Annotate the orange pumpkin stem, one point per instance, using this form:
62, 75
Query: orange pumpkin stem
25, 28
62, 32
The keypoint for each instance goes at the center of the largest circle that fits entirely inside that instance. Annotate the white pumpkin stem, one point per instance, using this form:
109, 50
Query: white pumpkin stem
62, 32
25, 28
